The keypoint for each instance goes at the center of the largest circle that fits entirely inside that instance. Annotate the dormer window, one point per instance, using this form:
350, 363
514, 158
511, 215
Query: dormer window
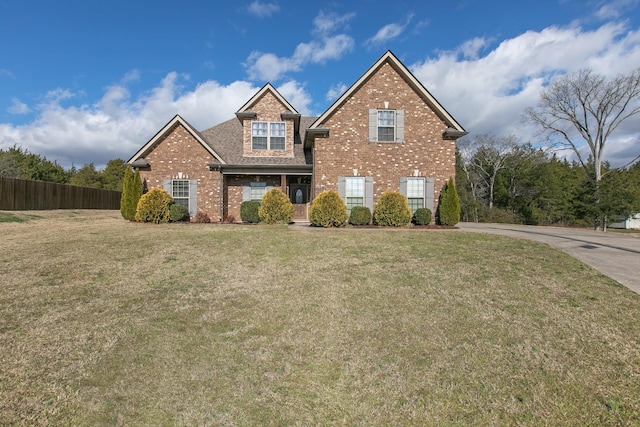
268, 135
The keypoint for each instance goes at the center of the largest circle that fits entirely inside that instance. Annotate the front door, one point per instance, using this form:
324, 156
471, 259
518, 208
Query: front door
299, 196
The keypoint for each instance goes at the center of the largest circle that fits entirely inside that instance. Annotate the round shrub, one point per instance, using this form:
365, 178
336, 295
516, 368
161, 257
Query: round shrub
275, 208
392, 210
328, 210
422, 216
202, 218
154, 206
178, 213
360, 215
249, 211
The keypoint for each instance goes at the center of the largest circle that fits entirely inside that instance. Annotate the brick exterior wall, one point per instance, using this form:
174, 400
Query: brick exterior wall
268, 109
348, 147
180, 153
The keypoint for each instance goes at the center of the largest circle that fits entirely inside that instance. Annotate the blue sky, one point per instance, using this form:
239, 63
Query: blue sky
88, 82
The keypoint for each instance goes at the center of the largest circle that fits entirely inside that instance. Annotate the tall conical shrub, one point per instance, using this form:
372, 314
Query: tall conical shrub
125, 205
131, 192
448, 212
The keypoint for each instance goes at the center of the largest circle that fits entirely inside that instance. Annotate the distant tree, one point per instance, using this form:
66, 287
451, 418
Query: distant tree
113, 175
484, 157
585, 107
18, 163
87, 176
448, 211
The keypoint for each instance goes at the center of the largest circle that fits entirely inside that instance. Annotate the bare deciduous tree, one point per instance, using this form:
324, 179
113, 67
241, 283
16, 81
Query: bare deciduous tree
585, 107
483, 157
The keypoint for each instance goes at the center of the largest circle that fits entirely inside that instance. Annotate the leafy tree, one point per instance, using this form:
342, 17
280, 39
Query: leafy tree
87, 176
587, 108
448, 211
113, 175
18, 163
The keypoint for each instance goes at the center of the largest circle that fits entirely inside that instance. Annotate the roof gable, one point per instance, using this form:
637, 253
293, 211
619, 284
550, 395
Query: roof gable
265, 89
177, 120
415, 84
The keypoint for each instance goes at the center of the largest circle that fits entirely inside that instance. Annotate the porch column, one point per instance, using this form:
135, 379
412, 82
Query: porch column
283, 183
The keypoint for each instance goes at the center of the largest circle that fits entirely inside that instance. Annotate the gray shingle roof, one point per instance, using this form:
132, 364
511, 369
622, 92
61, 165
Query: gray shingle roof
226, 140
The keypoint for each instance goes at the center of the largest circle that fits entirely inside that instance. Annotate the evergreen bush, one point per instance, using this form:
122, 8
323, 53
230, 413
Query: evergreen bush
178, 213
249, 211
448, 212
328, 210
131, 192
126, 209
392, 210
360, 215
422, 216
276, 208
154, 207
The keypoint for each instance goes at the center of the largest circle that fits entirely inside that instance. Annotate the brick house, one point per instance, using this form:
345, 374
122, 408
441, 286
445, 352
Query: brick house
386, 132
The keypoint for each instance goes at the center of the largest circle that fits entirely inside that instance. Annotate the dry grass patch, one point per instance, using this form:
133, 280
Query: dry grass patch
105, 322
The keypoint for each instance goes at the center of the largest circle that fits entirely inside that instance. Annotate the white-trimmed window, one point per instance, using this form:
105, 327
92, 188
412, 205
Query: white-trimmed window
354, 192
257, 190
184, 192
415, 193
419, 192
254, 190
268, 135
180, 192
386, 125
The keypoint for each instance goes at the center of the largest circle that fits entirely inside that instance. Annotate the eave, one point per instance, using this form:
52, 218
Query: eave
227, 169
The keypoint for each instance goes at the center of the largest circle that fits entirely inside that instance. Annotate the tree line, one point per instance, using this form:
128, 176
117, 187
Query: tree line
16, 162
499, 179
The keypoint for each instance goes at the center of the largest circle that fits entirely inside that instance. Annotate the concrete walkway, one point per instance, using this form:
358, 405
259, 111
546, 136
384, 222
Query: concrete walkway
614, 254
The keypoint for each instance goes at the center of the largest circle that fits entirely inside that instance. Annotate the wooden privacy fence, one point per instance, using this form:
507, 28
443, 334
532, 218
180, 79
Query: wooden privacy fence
20, 194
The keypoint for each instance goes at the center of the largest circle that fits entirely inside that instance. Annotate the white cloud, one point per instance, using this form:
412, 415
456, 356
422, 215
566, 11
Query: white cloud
117, 125
336, 91
615, 9
489, 93
389, 32
262, 9
18, 107
325, 46
6, 73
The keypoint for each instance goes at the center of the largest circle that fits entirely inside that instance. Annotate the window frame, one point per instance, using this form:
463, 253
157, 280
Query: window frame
274, 132
350, 199
418, 202
390, 115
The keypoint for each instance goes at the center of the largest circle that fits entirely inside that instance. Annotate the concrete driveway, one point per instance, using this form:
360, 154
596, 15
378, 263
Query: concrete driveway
614, 254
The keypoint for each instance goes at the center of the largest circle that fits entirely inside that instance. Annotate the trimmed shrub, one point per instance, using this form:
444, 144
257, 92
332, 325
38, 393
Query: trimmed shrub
249, 211
422, 216
178, 213
154, 207
131, 192
202, 218
328, 210
360, 215
448, 212
392, 210
276, 208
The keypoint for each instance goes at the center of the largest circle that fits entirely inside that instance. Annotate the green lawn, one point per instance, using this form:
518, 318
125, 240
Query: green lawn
106, 322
